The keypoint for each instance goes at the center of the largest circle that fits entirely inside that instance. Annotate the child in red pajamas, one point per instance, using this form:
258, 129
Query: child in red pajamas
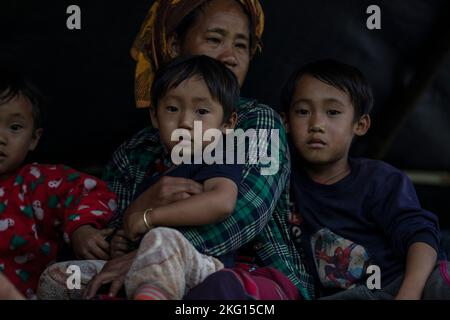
40, 205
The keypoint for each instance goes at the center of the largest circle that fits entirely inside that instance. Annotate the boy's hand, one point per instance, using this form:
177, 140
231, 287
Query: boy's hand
119, 244
165, 191
133, 225
89, 243
420, 261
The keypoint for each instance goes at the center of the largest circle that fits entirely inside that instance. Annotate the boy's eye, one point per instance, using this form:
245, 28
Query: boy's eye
301, 112
171, 109
202, 111
333, 112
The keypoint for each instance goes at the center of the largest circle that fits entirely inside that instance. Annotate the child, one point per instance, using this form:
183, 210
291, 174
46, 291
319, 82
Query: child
188, 89
354, 212
42, 204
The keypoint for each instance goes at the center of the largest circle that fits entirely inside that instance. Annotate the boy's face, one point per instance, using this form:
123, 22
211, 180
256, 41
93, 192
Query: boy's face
17, 134
321, 122
188, 102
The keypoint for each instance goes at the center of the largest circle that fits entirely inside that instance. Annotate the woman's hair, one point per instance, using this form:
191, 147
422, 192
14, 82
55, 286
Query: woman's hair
342, 76
221, 82
189, 21
12, 84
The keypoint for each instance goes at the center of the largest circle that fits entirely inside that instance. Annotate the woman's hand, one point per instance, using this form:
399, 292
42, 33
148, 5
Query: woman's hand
113, 272
119, 244
134, 225
89, 243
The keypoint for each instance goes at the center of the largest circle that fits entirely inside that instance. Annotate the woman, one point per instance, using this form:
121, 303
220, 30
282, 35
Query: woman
229, 31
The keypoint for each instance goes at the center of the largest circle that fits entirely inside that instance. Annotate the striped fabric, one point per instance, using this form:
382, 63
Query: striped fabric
149, 292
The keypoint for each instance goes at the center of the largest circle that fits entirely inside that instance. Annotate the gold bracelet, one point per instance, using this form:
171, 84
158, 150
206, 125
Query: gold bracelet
148, 223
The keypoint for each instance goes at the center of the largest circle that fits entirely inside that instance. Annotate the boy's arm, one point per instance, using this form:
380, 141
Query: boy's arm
258, 195
211, 206
86, 201
84, 204
397, 210
413, 231
420, 261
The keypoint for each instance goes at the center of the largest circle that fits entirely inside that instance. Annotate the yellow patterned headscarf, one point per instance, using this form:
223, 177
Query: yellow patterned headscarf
150, 46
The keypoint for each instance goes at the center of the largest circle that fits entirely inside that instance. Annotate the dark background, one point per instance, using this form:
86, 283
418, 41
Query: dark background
87, 74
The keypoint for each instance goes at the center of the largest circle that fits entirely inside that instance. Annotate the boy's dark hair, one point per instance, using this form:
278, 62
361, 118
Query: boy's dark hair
337, 74
221, 82
12, 84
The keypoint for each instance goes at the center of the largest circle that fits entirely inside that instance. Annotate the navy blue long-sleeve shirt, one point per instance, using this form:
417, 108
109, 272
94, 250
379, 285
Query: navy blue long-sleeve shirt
371, 216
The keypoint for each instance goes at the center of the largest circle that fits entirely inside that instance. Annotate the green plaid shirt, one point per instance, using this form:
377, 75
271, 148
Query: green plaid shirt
261, 213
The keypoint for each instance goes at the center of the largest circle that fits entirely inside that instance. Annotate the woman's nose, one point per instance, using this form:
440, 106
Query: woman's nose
228, 56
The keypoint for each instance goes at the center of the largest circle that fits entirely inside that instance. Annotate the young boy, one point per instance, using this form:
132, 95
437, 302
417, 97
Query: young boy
194, 89
186, 90
42, 204
354, 213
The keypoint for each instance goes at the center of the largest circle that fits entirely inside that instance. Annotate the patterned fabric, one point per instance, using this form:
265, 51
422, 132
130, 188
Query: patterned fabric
166, 260
150, 48
340, 263
53, 281
261, 212
39, 205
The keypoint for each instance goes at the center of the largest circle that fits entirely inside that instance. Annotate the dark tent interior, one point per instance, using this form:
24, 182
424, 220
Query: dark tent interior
87, 75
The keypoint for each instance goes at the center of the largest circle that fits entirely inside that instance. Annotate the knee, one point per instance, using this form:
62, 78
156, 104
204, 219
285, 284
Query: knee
163, 237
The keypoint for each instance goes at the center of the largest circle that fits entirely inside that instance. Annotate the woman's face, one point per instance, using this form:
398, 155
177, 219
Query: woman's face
221, 32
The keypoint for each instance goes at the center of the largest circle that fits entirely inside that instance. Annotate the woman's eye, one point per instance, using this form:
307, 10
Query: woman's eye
172, 109
202, 111
242, 46
213, 40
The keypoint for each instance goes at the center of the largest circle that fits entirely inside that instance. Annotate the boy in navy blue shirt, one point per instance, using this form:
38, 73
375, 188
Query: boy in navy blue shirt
352, 214
186, 92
